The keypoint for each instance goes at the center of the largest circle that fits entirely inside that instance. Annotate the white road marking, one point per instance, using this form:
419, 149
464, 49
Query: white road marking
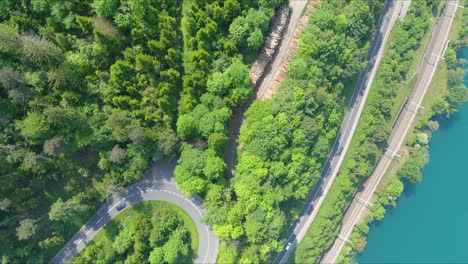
207, 231
83, 229
113, 207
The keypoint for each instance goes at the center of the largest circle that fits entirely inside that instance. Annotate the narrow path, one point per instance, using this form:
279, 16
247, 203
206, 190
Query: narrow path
432, 56
297, 6
158, 184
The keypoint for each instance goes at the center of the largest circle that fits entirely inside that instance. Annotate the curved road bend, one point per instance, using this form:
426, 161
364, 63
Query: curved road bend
332, 165
427, 69
165, 190
158, 184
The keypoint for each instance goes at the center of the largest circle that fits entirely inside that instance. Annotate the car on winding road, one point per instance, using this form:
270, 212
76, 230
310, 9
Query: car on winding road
121, 206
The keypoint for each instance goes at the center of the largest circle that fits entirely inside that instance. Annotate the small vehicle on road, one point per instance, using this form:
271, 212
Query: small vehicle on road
288, 246
121, 206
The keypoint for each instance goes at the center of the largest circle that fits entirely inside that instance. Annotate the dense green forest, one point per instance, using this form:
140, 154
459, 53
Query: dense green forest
91, 91
373, 129
88, 97
152, 232
285, 140
217, 40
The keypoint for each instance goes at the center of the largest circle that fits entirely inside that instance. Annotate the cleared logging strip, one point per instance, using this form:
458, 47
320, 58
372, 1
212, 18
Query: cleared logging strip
280, 75
272, 42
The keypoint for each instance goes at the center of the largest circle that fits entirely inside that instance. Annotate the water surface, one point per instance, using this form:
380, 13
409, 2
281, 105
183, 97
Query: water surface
430, 222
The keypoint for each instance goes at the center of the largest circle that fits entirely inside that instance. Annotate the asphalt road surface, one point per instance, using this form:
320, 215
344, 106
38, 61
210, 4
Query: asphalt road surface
162, 187
332, 166
403, 123
158, 184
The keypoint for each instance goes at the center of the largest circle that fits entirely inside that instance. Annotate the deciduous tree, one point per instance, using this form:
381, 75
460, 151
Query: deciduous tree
70, 211
34, 128
26, 229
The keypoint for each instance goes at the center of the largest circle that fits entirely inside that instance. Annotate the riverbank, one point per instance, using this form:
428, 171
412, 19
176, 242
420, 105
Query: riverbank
429, 224
440, 101
372, 131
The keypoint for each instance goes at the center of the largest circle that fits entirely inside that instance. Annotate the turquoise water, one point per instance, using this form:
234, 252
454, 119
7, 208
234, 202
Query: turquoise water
430, 222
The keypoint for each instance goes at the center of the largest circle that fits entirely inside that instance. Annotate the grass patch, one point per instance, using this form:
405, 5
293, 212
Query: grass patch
188, 223
405, 87
108, 234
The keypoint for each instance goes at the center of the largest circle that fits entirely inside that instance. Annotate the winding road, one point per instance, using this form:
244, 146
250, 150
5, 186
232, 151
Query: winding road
360, 202
158, 184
